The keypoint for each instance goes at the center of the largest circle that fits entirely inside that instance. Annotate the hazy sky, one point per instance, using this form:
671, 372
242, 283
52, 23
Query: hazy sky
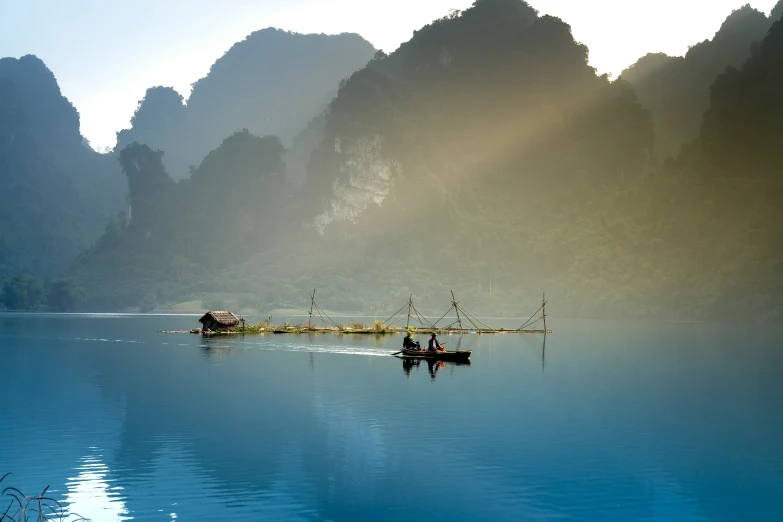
106, 53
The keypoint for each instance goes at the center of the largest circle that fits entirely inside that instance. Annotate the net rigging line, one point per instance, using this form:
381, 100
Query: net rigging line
399, 319
289, 318
422, 320
527, 323
470, 318
320, 312
450, 325
395, 314
320, 317
442, 316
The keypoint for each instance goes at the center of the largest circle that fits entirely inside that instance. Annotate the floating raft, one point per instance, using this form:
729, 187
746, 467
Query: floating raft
466, 323
366, 331
395, 330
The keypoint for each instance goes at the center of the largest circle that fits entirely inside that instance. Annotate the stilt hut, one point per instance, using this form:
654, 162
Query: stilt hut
218, 321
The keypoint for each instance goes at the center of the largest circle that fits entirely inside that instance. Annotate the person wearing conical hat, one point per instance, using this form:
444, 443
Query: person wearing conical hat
409, 344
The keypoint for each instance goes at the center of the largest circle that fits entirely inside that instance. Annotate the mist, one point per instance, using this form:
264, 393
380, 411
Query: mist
485, 155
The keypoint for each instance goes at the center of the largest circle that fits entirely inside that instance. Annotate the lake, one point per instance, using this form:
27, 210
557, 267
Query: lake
607, 422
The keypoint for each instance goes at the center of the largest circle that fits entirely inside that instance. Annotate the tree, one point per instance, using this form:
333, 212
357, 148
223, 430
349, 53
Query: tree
148, 182
744, 125
23, 293
676, 90
56, 190
65, 294
777, 12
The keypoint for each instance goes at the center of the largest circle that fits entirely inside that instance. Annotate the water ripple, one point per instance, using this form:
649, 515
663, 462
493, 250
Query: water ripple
606, 425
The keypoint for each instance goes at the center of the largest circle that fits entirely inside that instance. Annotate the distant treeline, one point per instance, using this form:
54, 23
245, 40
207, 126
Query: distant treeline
26, 293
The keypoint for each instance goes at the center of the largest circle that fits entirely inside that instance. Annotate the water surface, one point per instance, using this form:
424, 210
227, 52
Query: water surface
607, 422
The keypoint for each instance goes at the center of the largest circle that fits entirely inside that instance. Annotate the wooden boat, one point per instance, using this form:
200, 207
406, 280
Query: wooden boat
459, 355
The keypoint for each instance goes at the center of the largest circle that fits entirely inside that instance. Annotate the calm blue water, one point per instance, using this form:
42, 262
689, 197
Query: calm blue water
613, 422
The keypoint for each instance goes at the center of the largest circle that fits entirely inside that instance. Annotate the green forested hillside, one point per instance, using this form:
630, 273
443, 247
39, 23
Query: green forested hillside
60, 195
676, 89
56, 189
486, 156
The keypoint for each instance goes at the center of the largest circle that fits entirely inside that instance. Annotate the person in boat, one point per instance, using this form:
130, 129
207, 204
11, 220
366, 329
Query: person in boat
409, 344
434, 346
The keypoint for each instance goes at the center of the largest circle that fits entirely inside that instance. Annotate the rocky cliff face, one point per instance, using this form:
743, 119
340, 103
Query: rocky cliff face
369, 177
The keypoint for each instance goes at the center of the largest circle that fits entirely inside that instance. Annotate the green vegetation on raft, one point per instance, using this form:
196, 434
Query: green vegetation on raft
264, 327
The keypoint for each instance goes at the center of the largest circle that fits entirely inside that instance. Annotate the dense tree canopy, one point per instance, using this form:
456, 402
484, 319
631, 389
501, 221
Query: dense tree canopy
22, 293
676, 89
56, 190
29, 293
777, 12
750, 97
149, 186
233, 204
59, 193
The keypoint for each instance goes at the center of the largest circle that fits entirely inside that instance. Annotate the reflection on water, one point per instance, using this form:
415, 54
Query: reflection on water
624, 423
433, 366
90, 494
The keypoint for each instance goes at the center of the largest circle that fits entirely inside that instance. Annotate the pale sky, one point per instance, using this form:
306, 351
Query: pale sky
106, 53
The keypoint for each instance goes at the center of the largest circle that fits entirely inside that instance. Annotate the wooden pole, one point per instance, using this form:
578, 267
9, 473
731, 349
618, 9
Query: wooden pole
312, 302
410, 305
543, 308
456, 309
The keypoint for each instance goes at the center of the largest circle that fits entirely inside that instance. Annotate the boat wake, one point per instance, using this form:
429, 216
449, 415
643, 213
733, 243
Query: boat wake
319, 348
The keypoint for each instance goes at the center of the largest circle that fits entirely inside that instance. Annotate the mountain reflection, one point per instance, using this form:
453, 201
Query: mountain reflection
251, 430
289, 428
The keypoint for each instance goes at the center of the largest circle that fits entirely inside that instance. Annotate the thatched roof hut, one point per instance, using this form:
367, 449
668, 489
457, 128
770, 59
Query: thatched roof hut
218, 320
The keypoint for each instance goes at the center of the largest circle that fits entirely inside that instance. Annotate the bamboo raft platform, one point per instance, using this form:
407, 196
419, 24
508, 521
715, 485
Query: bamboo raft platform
350, 331
471, 324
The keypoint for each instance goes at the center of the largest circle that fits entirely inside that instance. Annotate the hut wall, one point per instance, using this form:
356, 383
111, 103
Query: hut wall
208, 323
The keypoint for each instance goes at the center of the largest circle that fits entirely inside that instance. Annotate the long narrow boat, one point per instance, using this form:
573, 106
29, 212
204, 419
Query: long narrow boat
459, 355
